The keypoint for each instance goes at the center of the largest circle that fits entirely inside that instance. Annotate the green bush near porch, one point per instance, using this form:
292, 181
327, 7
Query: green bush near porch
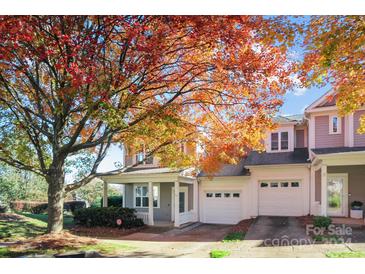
322, 221
116, 201
234, 237
107, 217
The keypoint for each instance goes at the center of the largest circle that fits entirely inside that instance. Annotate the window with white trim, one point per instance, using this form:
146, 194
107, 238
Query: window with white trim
279, 141
141, 196
275, 141
284, 140
334, 124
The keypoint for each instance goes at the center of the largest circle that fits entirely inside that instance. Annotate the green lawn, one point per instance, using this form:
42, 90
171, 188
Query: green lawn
103, 248
346, 254
18, 229
22, 226
27, 225
68, 220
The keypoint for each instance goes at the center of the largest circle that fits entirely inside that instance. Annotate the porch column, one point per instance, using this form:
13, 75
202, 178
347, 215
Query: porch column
123, 195
105, 195
324, 190
177, 203
195, 200
150, 204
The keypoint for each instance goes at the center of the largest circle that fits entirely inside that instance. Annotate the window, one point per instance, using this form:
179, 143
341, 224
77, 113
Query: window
149, 160
335, 124
284, 143
227, 195
141, 196
209, 195
274, 141
139, 156
294, 184
279, 141
264, 184
284, 184
218, 195
236, 195
274, 184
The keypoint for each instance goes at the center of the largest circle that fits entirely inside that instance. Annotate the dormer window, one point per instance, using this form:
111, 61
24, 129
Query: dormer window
279, 141
284, 142
141, 158
334, 124
275, 141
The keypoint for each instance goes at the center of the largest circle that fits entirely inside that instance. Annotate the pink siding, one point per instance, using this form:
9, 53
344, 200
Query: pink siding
299, 138
359, 139
128, 160
323, 138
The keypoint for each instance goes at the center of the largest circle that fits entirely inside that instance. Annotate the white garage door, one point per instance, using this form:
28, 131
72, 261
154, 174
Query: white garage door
281, 198
222, 207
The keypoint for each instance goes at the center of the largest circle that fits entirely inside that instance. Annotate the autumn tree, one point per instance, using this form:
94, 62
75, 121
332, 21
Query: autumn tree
335, 54
71, 85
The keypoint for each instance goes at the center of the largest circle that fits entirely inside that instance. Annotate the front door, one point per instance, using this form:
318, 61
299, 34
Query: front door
183, 201
337, 195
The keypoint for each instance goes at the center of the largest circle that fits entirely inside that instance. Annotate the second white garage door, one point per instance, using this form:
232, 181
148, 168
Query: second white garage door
222, 207
281, 198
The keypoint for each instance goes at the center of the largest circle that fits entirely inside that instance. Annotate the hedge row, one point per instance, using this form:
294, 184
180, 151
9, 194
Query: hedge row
41, 207
107, 217
113, 201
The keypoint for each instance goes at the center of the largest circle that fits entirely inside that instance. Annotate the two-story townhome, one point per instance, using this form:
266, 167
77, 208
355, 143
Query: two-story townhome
314, 163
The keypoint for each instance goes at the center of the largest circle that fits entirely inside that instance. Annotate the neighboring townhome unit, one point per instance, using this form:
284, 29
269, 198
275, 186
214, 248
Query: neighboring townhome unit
313, 163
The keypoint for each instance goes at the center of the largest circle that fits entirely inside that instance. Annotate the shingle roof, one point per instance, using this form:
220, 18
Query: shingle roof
337, 150
297, 118
298, 156
228, 170
150, 170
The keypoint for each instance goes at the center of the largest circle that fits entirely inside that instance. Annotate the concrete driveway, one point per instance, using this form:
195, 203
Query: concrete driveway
202, 233
198, 242
277, 231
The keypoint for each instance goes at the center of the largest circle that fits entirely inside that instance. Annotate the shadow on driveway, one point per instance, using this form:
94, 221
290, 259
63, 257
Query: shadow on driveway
277, 231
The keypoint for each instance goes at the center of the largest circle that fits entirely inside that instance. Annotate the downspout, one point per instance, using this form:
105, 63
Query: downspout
309, 166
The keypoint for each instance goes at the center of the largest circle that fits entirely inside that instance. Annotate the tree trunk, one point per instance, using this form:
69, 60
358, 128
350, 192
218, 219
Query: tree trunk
56, 194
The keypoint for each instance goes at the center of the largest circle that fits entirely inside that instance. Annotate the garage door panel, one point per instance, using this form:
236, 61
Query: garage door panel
222, 210
281, 201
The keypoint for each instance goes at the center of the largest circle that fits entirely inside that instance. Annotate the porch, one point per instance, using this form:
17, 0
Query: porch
154, 192
337, 180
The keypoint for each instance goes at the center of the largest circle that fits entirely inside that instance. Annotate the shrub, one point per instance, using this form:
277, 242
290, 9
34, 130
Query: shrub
234, 237
38, 209
322, 222
41, 207
116, 201
27, 206
74, 205
3, 208
107, 217
356, 205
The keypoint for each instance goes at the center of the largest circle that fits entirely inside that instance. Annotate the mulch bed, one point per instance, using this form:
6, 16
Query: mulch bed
10, 217
306, 220
54, 241
104, 232
242, 226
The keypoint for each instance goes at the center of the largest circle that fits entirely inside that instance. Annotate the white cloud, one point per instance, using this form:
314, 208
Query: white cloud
298, 89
